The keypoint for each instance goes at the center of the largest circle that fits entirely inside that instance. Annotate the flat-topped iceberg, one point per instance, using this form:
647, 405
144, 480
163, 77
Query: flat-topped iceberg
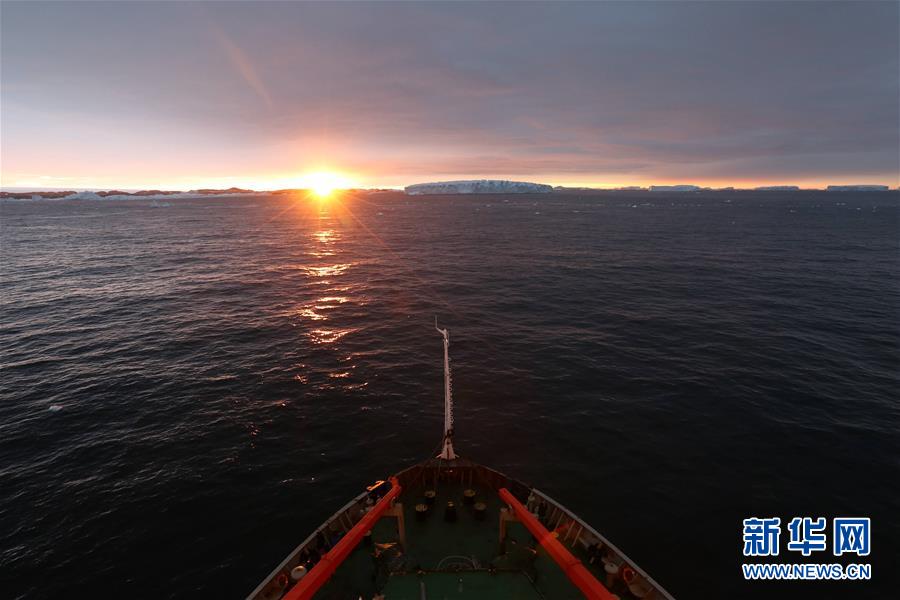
120, 195
478, 186
857, 188
674, 188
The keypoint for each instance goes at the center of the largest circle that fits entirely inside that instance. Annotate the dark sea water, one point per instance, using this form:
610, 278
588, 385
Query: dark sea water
189, 390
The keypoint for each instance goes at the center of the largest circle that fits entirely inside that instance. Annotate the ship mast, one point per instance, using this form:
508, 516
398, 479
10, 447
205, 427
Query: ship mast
447, 452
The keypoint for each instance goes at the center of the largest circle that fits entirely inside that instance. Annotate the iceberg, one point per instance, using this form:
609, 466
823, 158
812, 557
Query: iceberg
85, 196
674, 188
120, 195
856, 188
477, 186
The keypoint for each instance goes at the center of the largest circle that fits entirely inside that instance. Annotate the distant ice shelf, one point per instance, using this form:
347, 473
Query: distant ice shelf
108, 195
477, 186
857, 188
674, 188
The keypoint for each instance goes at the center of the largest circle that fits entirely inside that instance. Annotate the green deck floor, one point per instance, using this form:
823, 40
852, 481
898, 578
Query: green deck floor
458, 586
460, 559
434, 540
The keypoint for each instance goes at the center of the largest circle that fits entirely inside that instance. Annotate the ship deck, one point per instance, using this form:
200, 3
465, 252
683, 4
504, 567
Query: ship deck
431, 557
461, 559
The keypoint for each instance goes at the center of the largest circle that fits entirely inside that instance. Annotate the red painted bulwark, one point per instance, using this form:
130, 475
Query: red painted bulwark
307, 587
571, 566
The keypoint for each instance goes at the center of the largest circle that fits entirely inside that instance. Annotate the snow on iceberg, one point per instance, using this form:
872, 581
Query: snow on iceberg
674, 188
478, 186
857, 188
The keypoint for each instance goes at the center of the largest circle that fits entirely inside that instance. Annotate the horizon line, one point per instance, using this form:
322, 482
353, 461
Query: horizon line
619, 188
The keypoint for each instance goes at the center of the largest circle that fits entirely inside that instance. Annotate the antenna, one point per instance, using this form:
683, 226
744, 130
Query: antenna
447, 452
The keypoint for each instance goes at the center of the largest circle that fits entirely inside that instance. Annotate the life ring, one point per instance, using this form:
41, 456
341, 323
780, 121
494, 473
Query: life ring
628, 574
281, 580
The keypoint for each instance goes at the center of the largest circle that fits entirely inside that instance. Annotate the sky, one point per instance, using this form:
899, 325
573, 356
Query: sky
215, 94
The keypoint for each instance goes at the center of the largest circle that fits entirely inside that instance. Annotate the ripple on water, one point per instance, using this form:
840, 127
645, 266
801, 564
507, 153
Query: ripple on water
231, 372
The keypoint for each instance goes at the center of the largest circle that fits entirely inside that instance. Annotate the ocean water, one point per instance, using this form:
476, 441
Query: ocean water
188, 390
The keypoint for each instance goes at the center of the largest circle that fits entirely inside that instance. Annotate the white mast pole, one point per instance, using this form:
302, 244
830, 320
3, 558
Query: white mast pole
447, 452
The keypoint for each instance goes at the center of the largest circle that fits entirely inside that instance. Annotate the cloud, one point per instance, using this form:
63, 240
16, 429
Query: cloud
591, 89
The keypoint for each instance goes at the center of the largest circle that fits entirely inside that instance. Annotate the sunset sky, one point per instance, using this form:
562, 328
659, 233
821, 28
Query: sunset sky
178, 95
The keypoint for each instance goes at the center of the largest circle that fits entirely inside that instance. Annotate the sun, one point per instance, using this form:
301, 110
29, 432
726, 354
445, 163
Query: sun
324, 183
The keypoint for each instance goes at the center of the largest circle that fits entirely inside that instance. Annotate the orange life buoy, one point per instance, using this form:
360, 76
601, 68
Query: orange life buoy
628, 574
282, 580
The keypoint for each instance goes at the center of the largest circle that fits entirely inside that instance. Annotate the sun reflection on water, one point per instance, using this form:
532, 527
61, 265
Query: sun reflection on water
314, 310
328, 270
325, 236
311, 314
328, 336
329, 297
